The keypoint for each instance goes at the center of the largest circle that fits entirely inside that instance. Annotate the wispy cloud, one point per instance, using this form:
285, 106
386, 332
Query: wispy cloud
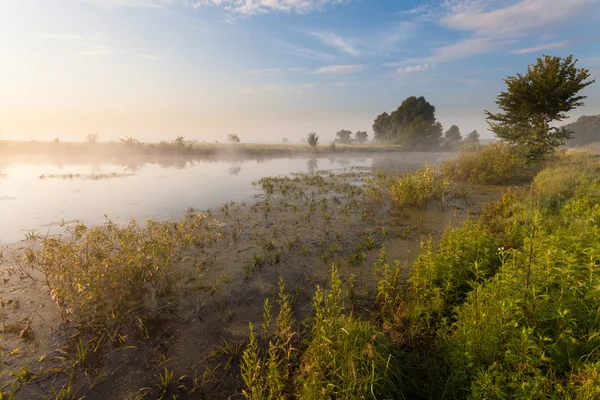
275, 71
413, 68
340, 69
93, 46
497, 19
337, 42
455, 51
548, 46
493, 25
272, 90
239, 7
306, 52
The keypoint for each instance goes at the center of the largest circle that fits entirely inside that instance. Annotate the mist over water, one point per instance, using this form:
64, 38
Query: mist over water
38, 195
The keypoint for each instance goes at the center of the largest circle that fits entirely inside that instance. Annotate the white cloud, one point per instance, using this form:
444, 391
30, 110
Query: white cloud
486, 18
332, 40
413, 68
494, 24
548, 46
456, 51
240, 7
340, 69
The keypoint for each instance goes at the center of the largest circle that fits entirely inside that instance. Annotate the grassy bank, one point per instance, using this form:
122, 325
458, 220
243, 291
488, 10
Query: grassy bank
505, 306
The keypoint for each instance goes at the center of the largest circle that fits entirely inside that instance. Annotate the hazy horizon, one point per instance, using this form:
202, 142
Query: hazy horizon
269, 69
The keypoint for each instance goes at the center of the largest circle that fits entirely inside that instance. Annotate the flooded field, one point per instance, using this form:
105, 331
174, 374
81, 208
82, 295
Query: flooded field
36, 195
162, 310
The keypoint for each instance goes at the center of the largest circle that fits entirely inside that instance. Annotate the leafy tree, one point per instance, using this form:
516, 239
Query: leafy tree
286, 140
361, 137
312, 139
412, 125
472, 138
233, 138
585, 130
453, 134
383, 128
344, 136
535, 100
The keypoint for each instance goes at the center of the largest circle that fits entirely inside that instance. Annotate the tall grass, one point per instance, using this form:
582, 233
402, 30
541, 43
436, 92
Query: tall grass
494, 164
505, 306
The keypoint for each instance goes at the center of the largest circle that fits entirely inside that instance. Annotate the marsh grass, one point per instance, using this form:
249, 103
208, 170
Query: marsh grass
493, 164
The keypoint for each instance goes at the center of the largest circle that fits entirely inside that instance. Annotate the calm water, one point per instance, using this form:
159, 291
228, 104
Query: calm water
28, 203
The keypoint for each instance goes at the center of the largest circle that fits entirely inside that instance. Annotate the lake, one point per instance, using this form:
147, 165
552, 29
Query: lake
38, 195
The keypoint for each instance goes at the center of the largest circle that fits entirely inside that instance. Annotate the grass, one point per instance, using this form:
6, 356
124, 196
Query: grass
505, 306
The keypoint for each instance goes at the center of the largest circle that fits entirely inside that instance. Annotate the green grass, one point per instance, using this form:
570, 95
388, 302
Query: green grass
505, 306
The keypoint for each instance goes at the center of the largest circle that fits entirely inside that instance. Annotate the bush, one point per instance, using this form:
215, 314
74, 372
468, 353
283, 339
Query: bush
492, 164
99, 269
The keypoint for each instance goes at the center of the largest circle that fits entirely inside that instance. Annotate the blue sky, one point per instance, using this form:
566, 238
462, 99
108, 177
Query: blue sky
268, 69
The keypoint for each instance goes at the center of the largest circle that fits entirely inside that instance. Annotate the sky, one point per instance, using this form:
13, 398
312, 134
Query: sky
269, 69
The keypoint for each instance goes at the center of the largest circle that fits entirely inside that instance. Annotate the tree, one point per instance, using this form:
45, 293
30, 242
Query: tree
344, 136
312, 139
286, 140
535, 100
472, 138
383, 128
361, 137
412, 125
585, 130
453, 134
233, 138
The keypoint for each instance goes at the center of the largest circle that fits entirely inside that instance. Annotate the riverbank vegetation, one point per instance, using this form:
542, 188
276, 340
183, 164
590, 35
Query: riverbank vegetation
473, 278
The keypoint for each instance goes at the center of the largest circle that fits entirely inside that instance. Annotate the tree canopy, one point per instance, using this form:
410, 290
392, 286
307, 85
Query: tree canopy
412, 125
361, 137
453, 134
472, 137
343, 136
532, 102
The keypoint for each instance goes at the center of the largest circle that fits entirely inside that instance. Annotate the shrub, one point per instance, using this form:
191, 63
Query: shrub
418, 188
98, 269
312, 139
492, 164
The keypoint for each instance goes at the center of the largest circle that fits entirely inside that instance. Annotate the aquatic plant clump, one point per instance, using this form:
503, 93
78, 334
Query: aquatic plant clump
100, 268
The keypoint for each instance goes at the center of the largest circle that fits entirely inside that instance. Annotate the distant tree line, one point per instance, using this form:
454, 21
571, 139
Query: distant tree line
345, 137
584, 131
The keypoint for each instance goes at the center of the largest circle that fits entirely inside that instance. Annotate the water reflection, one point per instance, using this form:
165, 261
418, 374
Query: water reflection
142, 187
235, 169
312, 164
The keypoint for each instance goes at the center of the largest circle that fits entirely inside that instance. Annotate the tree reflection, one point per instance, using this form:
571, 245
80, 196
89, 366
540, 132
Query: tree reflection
312, 164
235, 169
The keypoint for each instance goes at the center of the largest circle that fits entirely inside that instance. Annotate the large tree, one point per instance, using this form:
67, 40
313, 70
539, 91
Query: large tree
412, 125
534, 101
